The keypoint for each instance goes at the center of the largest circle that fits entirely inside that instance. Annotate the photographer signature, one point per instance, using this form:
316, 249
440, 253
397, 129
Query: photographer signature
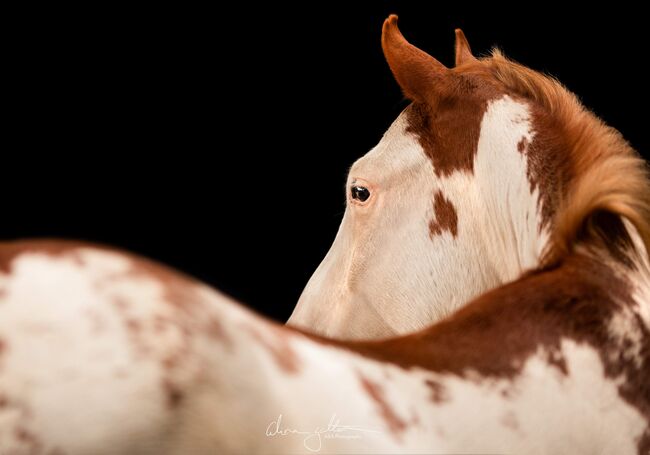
314, 439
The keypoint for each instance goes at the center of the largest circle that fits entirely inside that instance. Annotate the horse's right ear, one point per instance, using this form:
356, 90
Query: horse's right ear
463, 51
417, 73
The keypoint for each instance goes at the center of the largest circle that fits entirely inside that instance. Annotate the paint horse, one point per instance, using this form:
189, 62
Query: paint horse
103, 352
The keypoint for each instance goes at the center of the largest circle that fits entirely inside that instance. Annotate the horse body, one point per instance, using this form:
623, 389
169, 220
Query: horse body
104, 352
133, 358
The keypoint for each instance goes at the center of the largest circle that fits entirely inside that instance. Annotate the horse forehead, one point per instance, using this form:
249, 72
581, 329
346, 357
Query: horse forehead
397, 151
448, 141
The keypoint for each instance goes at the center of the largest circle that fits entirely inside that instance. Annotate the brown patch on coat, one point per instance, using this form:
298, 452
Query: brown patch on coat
522, 145
446, 218
394, 423
185, 295
3, 346
549, 167
496, 334
531, 313
132, 326
438, 393
555, 358
276, 341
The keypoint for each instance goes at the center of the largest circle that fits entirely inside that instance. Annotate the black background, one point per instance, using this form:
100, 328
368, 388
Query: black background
113, 133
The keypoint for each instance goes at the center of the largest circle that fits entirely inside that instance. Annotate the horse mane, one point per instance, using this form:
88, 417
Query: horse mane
608, 181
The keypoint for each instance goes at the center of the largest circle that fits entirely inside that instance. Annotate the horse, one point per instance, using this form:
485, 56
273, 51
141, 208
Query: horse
491, 172
139, 358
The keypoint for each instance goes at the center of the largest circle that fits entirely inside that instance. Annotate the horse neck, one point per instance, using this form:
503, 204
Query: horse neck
506, 207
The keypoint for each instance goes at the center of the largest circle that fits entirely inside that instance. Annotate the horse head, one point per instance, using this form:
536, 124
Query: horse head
476, 182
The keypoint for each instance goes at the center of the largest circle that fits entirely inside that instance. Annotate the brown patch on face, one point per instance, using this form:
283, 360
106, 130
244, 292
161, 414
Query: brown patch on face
3, 346
438, 394
448, 104
276, 341
395, 424
446, 218
448, 126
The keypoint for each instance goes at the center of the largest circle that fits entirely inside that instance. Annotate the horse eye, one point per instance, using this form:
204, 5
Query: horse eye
360, 193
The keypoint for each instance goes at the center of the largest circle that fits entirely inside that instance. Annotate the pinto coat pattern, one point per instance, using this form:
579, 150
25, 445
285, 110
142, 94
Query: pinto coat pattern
104, 352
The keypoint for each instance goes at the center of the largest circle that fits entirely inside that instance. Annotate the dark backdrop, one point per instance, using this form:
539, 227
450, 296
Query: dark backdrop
114, 135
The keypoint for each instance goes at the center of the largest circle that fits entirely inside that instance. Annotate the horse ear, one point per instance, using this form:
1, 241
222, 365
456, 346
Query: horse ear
415, 71
463, 52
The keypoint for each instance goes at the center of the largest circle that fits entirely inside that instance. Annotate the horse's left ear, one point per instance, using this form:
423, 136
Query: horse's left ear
463, 52
420, 76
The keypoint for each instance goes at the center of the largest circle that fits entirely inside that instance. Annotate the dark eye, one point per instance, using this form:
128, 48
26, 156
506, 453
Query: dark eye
360, 193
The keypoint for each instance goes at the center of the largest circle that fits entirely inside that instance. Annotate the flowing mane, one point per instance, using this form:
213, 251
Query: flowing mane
603, 174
